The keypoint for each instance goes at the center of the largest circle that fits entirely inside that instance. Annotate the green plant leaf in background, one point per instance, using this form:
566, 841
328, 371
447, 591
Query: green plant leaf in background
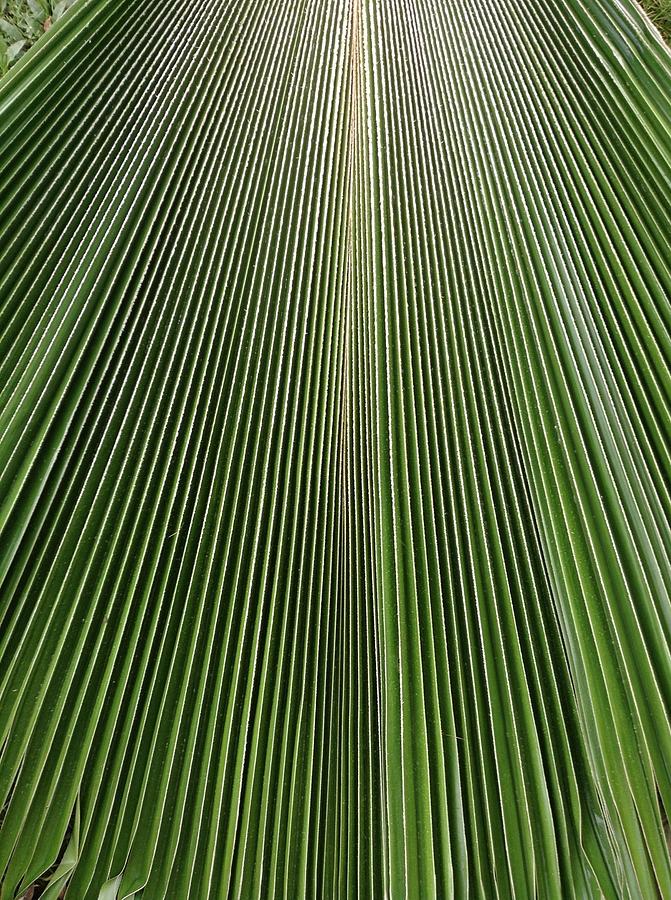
334, 451
22, 23
660, 14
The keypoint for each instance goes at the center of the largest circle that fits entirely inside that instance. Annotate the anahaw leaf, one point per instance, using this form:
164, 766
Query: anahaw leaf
335, 458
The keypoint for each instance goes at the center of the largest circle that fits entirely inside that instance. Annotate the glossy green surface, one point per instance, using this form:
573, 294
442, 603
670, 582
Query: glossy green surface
335, 451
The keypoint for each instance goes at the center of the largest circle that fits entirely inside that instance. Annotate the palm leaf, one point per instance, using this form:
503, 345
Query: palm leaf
334, 451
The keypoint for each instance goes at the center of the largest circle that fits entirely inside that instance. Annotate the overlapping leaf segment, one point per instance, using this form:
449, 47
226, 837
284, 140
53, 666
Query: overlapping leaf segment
335, 451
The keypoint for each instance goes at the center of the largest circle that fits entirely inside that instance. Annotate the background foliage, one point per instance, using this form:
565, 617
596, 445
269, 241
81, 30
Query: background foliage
22, 22
660, 13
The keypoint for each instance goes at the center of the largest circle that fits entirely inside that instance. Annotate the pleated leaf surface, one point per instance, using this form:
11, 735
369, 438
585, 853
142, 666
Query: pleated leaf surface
335, 452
